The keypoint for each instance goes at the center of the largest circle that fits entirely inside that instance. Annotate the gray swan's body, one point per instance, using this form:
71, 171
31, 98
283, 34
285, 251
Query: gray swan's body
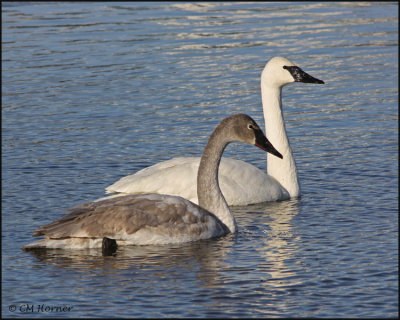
155, 218
241, 183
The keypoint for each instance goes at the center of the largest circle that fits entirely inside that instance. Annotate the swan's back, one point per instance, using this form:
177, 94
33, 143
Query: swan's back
131, 220
241, 183
177, 177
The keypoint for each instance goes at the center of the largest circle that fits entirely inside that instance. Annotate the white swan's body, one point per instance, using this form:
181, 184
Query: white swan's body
241, 183
143, 219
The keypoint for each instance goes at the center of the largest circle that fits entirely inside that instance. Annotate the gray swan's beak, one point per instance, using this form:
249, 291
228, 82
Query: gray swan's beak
301, 76
263, 143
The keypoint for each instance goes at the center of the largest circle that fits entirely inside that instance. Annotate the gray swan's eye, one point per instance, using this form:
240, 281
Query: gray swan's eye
250, 126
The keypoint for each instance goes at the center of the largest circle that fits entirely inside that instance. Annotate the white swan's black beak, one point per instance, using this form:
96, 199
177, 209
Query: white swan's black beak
301, 76
263, 143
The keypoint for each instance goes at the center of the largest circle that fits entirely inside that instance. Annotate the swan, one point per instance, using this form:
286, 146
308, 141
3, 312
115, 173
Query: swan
143, 219
241, 183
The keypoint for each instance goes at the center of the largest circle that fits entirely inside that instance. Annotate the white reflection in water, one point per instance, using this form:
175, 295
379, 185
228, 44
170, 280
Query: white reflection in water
280, 244
277, 241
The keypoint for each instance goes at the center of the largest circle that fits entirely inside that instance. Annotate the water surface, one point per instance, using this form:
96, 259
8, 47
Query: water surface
96, 91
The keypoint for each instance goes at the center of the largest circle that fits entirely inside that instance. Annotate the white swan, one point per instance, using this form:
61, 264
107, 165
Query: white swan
241, 183
143, 219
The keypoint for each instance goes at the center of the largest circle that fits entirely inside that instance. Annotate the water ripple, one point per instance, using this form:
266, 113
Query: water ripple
95, 91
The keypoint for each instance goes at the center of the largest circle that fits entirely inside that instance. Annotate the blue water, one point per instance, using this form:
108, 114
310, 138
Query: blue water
92, 92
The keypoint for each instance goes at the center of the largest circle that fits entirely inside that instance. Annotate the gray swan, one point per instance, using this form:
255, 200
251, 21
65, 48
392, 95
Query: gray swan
144, 219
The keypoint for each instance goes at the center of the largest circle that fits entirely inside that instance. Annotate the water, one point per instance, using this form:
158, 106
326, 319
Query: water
96, 91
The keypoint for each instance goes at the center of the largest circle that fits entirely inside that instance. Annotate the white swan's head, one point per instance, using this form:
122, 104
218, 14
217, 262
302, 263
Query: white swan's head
279, 72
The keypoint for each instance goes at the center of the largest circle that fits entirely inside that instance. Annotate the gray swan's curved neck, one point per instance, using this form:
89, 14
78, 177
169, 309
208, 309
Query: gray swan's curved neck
208, 190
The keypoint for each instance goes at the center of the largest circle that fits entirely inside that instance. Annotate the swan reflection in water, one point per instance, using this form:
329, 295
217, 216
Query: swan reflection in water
203, 259
276, 241
261, 248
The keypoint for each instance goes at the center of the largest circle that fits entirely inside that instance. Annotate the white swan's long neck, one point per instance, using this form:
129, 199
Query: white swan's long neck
208, 190
283, 170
